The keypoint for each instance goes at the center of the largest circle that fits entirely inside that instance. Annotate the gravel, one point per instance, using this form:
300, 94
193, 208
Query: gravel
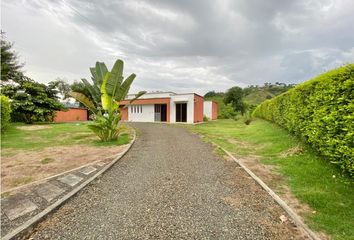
170, 185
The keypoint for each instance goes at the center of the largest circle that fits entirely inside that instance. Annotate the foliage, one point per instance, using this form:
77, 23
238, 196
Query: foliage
32, 101
103, 96
205, 119
106, 127
225, 111
314, 181
10, 67
212, 94
235, 96
321, 111
247, 118
61, 86
5, 112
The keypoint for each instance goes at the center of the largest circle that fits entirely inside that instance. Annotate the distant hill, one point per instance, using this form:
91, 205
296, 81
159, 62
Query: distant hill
254, 95
258, 96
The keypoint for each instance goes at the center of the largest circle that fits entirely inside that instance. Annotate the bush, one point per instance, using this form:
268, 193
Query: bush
247, 118
205, 119
5, 112
321, 111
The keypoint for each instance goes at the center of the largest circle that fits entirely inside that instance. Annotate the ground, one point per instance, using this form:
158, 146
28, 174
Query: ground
34, 152
170, 185
317, 189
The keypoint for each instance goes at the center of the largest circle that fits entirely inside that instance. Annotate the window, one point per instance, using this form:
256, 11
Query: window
131, 108
141, 108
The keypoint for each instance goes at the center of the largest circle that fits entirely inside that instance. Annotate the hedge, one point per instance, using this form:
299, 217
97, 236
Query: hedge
320, 111
5, 112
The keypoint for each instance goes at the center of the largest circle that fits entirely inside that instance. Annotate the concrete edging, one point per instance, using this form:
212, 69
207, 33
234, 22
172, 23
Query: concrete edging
296, 218
29, 223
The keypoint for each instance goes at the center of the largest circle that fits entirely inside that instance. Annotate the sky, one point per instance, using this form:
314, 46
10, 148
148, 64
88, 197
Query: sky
182, 46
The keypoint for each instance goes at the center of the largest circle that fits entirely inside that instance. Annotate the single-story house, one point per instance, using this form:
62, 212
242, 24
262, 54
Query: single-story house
164, 107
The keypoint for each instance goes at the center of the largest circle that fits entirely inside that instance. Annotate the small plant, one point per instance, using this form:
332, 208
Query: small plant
205, 119
47, 160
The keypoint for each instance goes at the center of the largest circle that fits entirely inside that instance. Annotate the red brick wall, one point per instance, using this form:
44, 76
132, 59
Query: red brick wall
198, 108
214, 110
72, 115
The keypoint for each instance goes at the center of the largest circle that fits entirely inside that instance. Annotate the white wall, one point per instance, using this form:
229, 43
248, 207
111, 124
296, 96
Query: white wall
147, 115
208, 109
182, 98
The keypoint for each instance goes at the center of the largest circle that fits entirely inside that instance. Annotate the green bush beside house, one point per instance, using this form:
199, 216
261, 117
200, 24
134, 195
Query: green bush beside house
320, 111
5, 112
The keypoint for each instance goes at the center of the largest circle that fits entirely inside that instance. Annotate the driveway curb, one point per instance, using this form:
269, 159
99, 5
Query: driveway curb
29, 223
296, 218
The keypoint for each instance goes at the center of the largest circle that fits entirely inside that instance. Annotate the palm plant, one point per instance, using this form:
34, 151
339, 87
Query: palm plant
106, 92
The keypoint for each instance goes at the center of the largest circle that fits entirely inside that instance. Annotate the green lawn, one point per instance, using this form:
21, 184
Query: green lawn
54, 134
311, 179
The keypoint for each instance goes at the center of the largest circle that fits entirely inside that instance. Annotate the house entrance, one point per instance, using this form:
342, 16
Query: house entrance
160, 112
181, 112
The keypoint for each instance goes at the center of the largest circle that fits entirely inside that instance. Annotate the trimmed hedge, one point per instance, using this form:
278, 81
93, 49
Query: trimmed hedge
321, 111
5, 112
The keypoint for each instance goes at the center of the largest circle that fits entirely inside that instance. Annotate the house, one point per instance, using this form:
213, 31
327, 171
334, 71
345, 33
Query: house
164, 107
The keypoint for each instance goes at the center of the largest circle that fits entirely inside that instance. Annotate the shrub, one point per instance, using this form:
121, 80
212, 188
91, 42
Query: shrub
205, 119
5, 112
321, 111
247, 118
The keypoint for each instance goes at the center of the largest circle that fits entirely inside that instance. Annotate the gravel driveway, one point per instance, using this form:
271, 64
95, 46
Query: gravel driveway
170, 185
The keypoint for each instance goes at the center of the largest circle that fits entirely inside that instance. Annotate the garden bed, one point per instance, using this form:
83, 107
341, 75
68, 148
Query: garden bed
34, 152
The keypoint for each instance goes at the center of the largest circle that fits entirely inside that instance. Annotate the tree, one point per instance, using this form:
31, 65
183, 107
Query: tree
106, 92
10, 66
32, 101
212, 94
235, 96
61, 86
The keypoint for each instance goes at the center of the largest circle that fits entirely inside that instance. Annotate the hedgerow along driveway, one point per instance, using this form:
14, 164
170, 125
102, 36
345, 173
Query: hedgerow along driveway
170, 185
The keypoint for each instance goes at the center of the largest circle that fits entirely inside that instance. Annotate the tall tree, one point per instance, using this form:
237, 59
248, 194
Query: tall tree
61, 86
235, 96
10, 66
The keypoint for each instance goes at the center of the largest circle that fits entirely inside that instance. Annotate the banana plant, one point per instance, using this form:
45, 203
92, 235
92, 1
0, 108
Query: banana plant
106, 92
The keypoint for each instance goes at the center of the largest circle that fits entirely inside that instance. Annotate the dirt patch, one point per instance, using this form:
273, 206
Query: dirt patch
29, 166
33, 127
292, 151
240, 143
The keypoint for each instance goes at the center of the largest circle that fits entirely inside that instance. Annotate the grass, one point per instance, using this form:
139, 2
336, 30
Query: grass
47, 160
56, 134
311, 179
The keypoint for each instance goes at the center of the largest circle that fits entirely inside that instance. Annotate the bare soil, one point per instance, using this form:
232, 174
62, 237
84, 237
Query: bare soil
33, 127
29, 166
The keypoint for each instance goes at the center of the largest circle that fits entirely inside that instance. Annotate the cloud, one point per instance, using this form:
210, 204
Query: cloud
183, 46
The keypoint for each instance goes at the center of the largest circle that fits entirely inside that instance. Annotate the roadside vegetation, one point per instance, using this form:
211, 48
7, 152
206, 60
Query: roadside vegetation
284, 162
321, 112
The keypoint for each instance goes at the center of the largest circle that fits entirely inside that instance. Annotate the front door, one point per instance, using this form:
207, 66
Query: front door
160, 112
181, 112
